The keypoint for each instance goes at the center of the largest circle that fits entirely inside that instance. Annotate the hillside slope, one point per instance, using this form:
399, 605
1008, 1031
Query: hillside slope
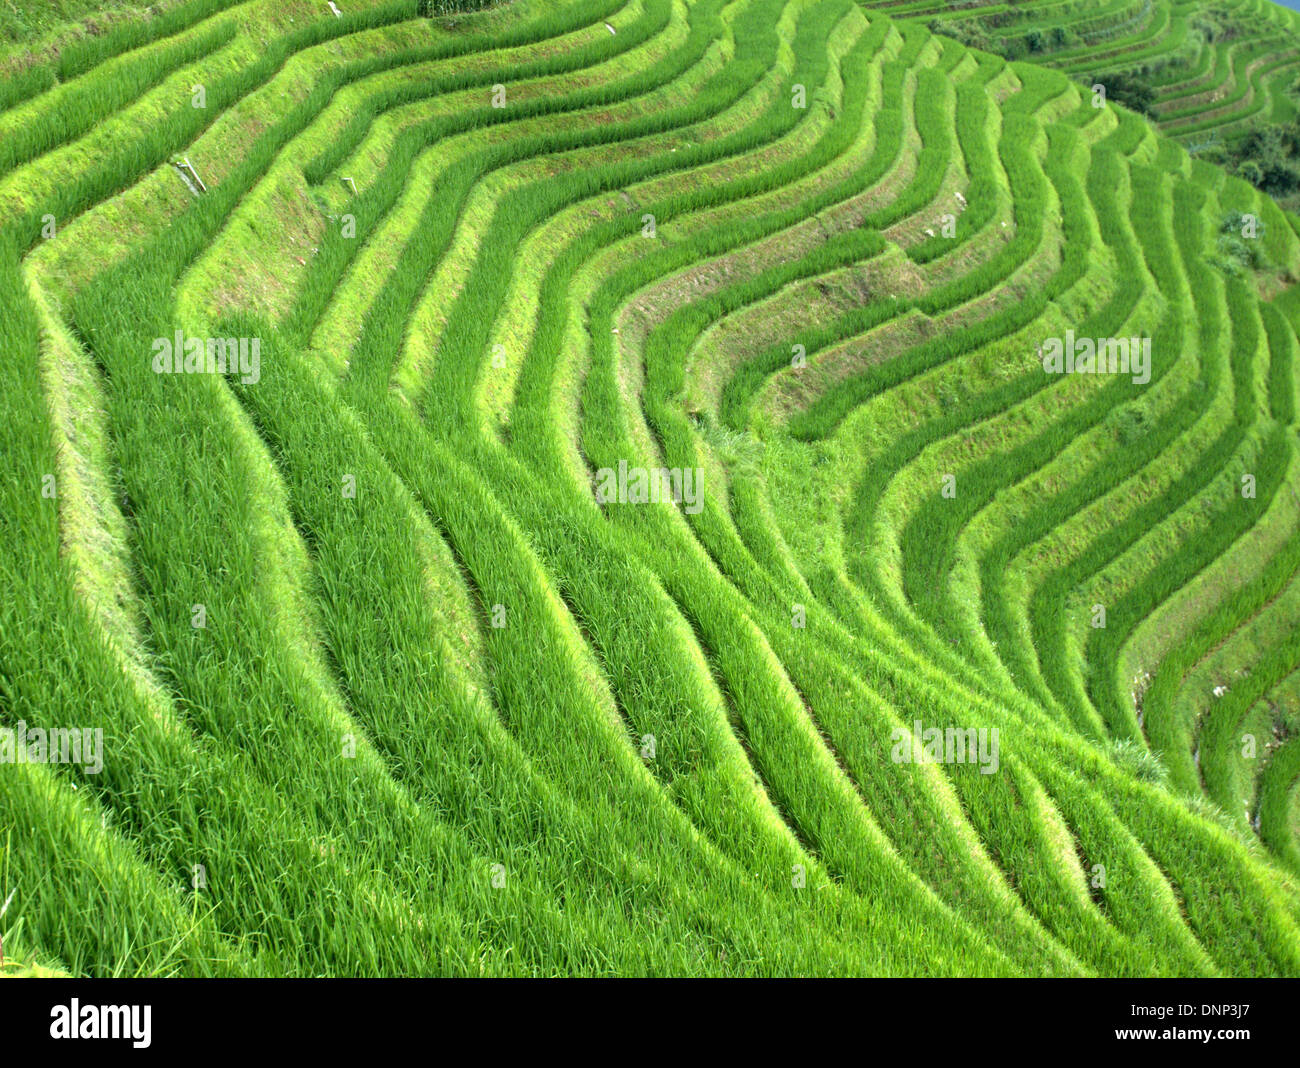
395, 672
1220, 76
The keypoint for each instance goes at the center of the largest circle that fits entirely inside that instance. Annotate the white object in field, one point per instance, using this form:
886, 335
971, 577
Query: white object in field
3, 909
612, 31
960, 199
185, 177
337, 13
185, 165
352, 184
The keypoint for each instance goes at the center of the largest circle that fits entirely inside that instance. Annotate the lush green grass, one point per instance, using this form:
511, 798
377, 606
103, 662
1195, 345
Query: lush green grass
449, 712
1207, 71
23, 21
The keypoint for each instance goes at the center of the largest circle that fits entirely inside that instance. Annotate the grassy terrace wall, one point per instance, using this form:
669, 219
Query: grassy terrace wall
396, 672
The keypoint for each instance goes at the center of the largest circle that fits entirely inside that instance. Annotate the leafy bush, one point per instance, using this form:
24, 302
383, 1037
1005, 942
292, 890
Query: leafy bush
1132, 90
429, 9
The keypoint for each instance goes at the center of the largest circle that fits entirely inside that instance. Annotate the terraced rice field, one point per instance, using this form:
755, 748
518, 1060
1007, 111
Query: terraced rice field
1215, 66
396, 670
